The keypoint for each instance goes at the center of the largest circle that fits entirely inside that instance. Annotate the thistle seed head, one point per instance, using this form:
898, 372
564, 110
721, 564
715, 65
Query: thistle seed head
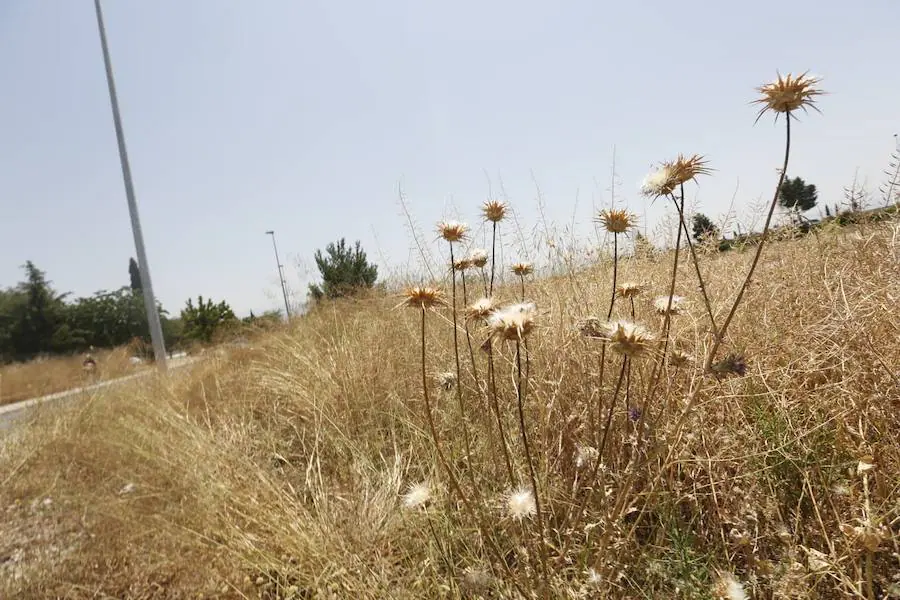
629, 339
677, 358
423, 297
446, 380
513, 322
662, 307
452, 231
616, 221
733, 364
658, 182
481, 309
479, 257
463, 264
417, 496
520, 504
669, 175
522, 269
629, 290
494, 211
787, 94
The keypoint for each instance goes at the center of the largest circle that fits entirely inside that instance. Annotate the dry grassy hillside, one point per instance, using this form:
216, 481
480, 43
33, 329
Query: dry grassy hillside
285, 471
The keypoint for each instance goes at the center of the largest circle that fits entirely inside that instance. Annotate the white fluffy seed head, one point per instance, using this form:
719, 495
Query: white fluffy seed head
513, 322
417, 496
520, 504
478, 257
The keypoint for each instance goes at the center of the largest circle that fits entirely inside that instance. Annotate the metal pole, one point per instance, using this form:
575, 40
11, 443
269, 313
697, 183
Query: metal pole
287, 306
156, 335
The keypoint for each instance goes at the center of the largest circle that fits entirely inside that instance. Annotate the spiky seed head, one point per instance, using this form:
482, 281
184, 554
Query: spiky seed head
446, 380
417, 495
662, 307
520, 504
494, 211
513, 322
687, 168
658, 182
522, 269
678, 358
629, 289
463, 264
423, 297
479, 257
788, 93
593, 579
452, 231
616, 221
628, 338
481, 309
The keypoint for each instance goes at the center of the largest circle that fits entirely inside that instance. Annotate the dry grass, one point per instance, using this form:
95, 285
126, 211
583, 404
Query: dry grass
279, 472
21, 381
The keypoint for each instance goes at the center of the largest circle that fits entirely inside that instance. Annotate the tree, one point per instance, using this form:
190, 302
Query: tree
344, 271
796, 196
134, 271
37, 322
204, 320
704, 228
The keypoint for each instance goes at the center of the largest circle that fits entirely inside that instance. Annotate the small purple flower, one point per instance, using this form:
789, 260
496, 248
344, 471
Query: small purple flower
634, 413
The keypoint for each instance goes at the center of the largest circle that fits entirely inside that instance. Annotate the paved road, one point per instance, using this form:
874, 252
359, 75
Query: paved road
10, 413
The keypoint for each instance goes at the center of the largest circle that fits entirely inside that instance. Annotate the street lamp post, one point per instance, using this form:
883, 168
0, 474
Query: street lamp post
287, 306
156, 335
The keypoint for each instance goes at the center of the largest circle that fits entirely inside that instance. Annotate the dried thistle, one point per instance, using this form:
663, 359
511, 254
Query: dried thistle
522, 269
513, 322
481, 309
463, 264
417, 496
494, 211
677, 358
661, 305
520, 504
671, 174
446, 380
629, 290
787, 94
729, 588
627, 338
479, 257
423, 297
658, 182
616, 221
452, 231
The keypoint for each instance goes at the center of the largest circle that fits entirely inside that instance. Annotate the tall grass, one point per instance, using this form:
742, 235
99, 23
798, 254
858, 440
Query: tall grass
607, 454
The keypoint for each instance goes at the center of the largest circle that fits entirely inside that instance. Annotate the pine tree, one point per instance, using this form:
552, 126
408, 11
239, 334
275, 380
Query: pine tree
704, 228
344, 271
135, 273
796, 195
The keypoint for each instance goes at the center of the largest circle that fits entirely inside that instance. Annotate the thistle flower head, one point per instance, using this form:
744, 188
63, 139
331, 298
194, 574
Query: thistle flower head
616, 221
787, 94
627, 338
463, 264
629, 289
520, 504
481, 309
493, 210
446, 380
585, 456
417, 496
522, 269
662, 307
513, 322
423, 297
669, 175
476, 579
479, 257
658, 182
452, 231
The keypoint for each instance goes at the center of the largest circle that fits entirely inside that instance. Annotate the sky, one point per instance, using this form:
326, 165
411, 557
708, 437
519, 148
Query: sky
310, 118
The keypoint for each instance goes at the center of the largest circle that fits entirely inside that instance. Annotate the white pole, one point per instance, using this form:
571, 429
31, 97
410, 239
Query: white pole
156, 335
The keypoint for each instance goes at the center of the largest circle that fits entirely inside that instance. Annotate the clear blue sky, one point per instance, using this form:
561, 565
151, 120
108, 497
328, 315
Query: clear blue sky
304, 116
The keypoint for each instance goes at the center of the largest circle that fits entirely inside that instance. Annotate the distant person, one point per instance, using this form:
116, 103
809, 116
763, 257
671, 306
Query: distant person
89, 364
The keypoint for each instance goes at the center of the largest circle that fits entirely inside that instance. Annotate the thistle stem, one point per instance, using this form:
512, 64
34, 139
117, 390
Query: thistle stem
459, 398
720, 336
695, 261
